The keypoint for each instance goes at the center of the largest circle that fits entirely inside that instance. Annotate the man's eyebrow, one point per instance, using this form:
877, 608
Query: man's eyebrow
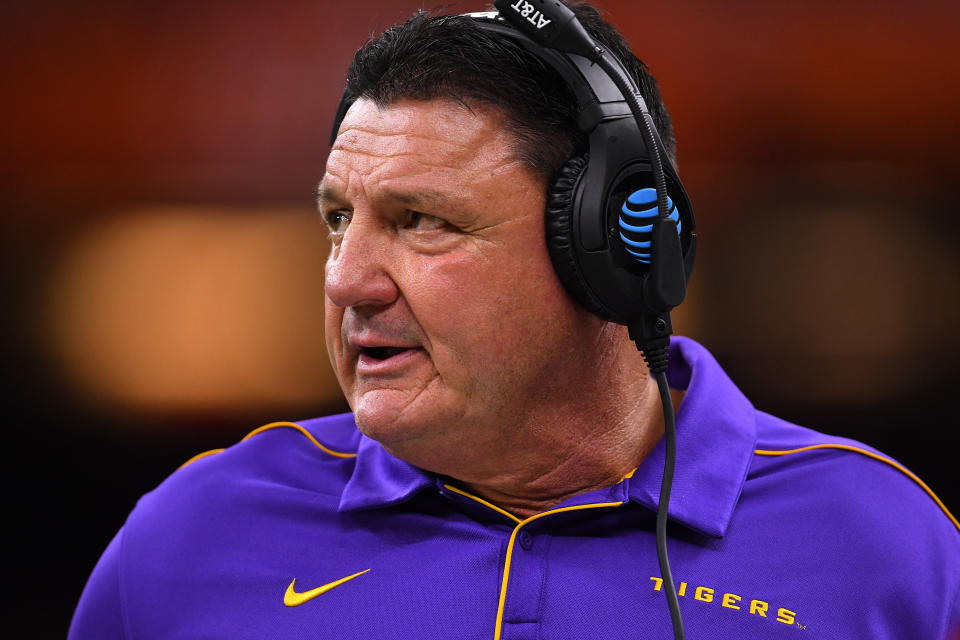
325, 192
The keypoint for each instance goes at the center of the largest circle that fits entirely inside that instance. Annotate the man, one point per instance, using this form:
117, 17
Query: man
498, 475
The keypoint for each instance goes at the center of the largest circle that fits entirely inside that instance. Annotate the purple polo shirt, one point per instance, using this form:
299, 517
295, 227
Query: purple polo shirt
824, 542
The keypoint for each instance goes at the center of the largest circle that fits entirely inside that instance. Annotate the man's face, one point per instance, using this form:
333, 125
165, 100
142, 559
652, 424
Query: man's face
445, 322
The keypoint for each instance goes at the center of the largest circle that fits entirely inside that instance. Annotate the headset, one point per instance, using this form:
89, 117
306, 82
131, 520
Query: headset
619, 224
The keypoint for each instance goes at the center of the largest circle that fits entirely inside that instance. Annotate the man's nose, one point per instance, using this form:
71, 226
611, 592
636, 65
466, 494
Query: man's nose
357, 270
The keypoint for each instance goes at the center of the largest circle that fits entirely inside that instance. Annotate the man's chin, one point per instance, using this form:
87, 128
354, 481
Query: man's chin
389, 416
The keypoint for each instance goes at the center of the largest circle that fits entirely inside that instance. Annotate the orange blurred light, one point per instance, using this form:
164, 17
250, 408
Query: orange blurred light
185, 308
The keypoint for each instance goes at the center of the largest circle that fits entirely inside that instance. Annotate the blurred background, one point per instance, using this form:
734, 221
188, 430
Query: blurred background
162, 258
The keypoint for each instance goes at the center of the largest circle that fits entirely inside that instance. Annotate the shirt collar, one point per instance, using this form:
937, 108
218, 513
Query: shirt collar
381, 480
716, 433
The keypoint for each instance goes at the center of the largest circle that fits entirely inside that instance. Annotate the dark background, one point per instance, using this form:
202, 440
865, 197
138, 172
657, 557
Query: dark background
162, 261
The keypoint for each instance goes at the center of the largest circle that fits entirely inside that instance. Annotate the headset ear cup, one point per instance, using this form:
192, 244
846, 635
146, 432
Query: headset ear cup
561, 198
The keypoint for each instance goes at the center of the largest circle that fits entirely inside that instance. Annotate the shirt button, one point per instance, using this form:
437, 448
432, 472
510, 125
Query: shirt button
526, 540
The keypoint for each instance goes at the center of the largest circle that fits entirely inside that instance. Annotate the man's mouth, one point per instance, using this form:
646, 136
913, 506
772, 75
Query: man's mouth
386, 361
382, 353
377, 357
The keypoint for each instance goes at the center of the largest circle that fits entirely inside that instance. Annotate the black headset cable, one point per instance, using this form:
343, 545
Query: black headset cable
655, 356
666, 484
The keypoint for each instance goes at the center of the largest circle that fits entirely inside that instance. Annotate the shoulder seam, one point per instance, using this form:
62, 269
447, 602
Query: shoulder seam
198, 456
275, 425
846, 447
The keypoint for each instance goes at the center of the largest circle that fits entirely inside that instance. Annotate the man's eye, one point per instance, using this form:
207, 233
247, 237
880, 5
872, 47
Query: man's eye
337, 221
423, 222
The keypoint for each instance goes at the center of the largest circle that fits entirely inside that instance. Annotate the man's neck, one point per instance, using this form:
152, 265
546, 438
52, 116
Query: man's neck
595, 457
